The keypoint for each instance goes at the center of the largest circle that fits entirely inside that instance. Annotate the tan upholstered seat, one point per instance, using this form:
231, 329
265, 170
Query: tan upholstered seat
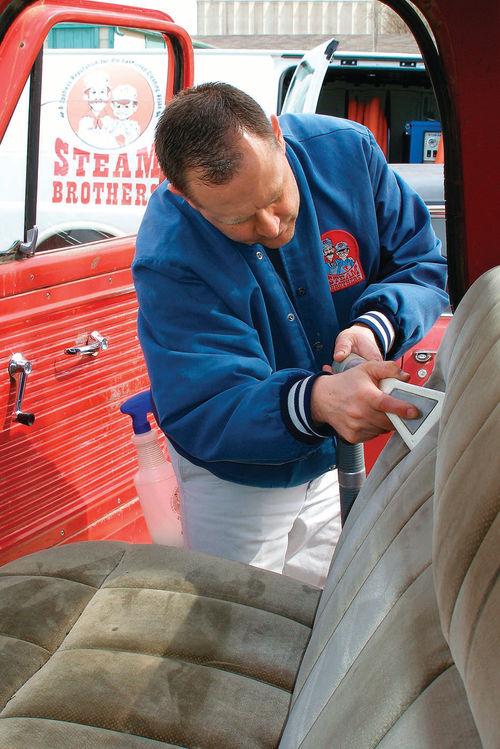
111, 645
467, 521
378, 670
180, 648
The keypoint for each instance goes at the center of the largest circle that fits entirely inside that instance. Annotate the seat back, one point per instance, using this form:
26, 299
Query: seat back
467, 498
388, 658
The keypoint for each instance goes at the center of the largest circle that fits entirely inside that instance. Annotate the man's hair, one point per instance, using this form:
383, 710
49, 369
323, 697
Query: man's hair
199, 129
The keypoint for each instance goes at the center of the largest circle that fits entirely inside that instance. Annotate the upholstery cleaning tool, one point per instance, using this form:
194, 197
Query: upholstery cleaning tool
429, 403
350, 457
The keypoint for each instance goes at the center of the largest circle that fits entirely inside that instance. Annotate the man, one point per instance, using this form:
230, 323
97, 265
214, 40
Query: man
239, 316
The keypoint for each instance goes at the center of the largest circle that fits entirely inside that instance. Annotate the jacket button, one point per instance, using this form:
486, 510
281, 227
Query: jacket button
301, 292
317, 346
291, 317
259, 255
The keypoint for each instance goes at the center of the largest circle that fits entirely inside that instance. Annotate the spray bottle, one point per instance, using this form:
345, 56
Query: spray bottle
155, 480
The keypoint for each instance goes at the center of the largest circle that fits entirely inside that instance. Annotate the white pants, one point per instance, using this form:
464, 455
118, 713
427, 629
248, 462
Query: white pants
292, 531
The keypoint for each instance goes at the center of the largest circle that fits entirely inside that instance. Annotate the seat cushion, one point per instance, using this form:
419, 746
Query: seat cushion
107, 644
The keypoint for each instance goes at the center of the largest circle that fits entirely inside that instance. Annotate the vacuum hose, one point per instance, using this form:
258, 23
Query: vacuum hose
350, 458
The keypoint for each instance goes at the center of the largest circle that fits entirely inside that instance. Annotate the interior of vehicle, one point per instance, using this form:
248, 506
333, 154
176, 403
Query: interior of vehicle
383, 92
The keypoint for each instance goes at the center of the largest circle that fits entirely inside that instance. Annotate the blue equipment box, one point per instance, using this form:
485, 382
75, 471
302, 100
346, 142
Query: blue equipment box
424, 137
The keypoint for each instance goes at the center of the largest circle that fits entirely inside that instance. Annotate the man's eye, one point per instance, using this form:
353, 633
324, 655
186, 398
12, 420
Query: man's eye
238, 221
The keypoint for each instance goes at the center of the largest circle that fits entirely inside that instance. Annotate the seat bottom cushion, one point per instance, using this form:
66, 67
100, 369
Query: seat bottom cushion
108, 644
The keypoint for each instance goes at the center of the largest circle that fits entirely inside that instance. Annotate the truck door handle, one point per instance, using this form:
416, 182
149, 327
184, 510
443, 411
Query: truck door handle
20, 250
19, 365
27, 249
95, 343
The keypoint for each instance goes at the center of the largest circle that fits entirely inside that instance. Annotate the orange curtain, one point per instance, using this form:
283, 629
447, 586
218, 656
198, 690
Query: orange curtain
372, 115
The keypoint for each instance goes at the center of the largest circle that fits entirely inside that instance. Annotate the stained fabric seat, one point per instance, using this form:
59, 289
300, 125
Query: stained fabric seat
147, 641
105, 644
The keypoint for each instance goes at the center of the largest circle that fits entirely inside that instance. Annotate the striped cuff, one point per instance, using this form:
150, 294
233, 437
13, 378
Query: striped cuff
381, 326
296, 409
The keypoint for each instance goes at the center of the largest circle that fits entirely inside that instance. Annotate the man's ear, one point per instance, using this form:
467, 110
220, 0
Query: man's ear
175, 191
277, 131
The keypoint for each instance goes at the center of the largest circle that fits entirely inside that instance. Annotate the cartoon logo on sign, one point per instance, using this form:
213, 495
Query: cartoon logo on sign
341, 257
110, 105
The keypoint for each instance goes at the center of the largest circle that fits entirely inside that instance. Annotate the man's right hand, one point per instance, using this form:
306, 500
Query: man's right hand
354, 405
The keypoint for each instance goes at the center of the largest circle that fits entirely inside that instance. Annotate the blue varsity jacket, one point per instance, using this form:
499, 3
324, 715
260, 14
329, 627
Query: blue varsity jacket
232, 348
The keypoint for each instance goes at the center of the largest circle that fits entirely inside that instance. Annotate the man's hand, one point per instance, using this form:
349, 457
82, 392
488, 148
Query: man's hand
358, 339
353, 404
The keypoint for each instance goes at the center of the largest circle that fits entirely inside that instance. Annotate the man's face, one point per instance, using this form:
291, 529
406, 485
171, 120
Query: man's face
260, 204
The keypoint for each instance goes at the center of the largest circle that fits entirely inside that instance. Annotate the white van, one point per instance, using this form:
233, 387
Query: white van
392, 95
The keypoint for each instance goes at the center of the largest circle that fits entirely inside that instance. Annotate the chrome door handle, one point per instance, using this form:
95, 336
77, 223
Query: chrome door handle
19, 249
27, 249
95, 343
19, 365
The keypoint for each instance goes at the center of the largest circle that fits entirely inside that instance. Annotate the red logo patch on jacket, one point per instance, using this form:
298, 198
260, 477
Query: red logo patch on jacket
341, 256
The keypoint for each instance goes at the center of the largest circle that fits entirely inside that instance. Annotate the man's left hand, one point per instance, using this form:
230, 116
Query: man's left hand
358, 339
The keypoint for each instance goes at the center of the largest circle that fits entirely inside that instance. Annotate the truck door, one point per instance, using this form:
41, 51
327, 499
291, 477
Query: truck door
69, 354
305, 87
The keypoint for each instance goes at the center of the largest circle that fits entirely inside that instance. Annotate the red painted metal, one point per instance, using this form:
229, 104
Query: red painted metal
75, 465
419, 360
466, 35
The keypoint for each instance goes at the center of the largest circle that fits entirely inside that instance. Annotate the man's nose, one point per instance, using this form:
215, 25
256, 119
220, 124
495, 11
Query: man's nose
267, 223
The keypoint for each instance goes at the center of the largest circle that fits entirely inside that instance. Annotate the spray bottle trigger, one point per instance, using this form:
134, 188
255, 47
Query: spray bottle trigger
138, 407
